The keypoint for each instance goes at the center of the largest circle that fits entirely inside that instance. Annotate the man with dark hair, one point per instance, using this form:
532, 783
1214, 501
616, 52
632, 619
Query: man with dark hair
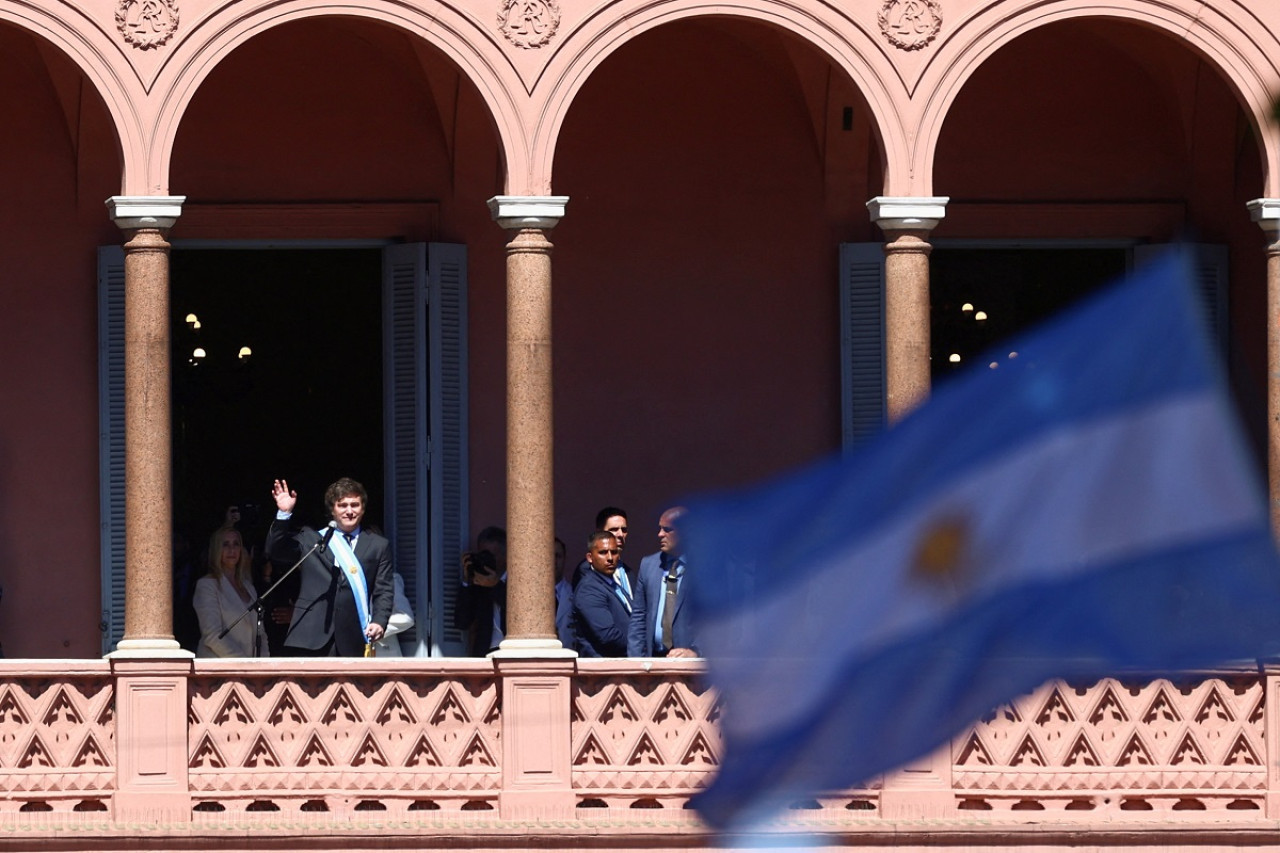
601, 611
661, 625
347, 588
613, 519
610, 519
482, 594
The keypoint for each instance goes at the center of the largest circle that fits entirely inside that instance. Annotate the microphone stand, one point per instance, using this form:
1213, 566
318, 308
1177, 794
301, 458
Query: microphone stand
256, 605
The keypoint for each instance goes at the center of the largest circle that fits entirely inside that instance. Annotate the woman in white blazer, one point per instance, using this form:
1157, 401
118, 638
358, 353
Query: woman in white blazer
222, 595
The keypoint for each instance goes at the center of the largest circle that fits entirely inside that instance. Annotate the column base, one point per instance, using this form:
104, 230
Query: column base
149, 648
537, 770
152, 781
514, 649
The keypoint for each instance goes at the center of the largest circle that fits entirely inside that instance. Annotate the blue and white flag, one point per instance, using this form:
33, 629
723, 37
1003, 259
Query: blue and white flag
1081, 504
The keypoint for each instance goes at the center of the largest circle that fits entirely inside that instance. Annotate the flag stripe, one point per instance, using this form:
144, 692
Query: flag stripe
925, 688
1053, 522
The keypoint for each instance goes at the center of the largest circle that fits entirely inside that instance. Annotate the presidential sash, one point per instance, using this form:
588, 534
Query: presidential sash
345, 559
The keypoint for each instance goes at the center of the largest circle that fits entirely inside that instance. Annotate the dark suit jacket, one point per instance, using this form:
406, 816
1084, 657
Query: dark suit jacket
646, 594
474, 615
325, 607
600, 618
564, 603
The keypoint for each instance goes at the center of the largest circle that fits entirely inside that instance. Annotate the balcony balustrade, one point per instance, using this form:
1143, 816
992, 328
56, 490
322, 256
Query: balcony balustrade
481, 753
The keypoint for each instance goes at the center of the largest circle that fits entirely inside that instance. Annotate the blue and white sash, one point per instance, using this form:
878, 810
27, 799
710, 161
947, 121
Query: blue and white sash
346, 561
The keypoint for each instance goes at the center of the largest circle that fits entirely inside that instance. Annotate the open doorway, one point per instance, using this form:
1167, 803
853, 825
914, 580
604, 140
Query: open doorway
276, 359
314, 363
980, 296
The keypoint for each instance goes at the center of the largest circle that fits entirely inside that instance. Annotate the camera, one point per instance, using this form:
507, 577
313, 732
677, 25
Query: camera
479, 562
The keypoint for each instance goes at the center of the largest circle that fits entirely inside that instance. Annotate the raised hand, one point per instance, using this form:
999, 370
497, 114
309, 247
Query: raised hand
285, 499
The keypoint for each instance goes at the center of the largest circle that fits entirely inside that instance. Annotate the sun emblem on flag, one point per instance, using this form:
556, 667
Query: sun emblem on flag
943, 552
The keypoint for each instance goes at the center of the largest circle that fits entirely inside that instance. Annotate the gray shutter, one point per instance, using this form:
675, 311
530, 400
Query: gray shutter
111, 442
1211, 269
404, 307
862, 391
424, 340
1211, 262
449, 472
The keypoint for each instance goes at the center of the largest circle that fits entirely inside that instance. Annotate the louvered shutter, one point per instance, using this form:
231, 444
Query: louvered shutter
862, 380
449, 470
424, 340
404, 307
1211, 262
111, 442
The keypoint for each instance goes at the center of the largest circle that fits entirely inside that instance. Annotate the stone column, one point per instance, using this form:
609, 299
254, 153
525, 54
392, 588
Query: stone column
1266, 212
530, 438
148, 615
906, 223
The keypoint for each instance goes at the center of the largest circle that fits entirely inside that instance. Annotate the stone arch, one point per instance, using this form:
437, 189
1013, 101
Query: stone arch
100, 61
476, 54
834, 36
1242, 55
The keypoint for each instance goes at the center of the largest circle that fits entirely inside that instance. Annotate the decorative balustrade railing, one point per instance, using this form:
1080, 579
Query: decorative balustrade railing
340, 738
1192, 745
642, 739
541, 745
57, 738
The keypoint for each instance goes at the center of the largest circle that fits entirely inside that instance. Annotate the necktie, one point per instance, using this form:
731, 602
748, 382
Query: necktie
669, 605
621, 591
351, 542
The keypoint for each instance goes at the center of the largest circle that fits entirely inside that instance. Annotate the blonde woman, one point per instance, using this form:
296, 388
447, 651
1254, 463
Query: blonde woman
222, 595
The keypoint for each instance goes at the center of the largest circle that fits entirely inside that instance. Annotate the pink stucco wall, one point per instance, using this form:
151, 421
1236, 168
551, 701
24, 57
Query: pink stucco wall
696, 306
57, 164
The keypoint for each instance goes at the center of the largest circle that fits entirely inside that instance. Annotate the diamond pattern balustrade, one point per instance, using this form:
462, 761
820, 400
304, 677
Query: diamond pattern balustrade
347, 743
1114, 745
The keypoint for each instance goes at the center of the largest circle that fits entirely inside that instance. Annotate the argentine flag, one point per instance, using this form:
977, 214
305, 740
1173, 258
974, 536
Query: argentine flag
1084, 507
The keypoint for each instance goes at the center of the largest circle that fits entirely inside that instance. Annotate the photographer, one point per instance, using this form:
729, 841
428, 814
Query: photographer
482, 596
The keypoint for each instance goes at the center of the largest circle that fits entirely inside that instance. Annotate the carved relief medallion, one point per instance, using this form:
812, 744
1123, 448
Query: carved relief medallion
529, 23
910, 24
147, 23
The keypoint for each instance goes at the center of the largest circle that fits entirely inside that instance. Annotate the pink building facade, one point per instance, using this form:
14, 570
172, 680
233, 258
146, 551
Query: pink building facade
326, 249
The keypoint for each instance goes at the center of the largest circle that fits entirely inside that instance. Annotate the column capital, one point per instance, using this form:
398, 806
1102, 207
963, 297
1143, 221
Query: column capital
528, 211
1266, 212
130, 212
908, 213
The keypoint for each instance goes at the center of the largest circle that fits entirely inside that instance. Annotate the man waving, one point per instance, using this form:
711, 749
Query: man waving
348, 586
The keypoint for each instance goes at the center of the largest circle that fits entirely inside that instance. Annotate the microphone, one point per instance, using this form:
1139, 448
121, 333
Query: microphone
328, 534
